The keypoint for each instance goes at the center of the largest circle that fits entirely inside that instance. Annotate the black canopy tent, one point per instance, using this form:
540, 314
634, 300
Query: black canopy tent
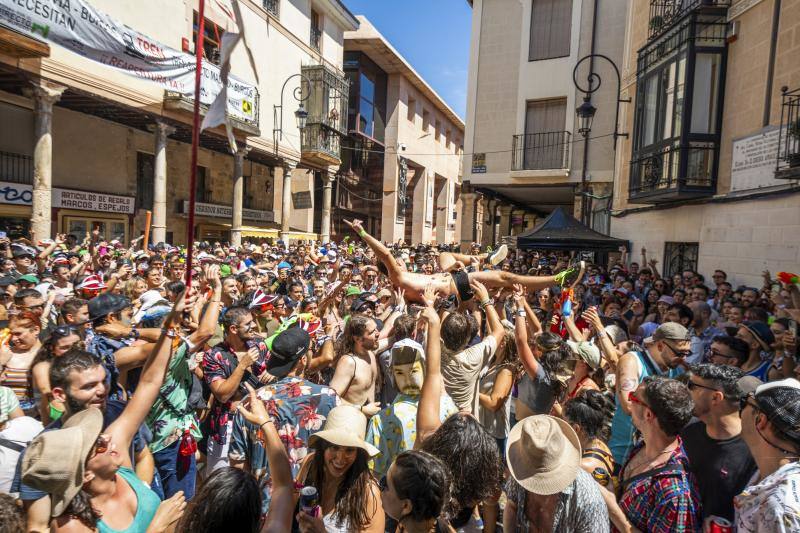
561, 231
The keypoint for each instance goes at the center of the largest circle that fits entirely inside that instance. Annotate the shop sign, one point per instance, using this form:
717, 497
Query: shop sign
22, 194
82, 29
226, 211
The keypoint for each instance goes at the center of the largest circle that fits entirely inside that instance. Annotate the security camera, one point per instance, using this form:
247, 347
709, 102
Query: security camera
402, 147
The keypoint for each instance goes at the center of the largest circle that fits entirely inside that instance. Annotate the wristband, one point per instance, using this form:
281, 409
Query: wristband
261, 427
362, 233
522, 313
135, 333
601, 334
486, 302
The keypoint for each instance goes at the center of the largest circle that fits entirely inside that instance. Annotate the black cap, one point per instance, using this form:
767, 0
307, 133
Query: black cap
5, 281
106, 304
287, 348
361, 302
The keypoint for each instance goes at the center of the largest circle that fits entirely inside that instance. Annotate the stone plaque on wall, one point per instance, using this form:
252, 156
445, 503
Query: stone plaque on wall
753, 160
301, 200
479, 163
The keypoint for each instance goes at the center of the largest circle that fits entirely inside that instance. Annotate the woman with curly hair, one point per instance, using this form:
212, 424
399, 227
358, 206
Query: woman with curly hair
589, 413
338, 468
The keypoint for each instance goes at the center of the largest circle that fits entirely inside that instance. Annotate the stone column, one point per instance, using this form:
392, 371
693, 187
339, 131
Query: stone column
238, 195
44, 95
286, 201
158, 226
327, 193
469, 223
505, 222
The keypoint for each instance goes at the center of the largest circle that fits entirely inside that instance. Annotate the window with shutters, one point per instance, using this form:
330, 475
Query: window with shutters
545, 144
551, 23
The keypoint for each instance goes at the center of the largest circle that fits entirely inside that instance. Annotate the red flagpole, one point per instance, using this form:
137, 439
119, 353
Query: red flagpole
198, 52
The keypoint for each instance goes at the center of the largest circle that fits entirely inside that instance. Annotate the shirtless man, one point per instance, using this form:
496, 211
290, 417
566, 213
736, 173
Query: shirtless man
455, 279
357, 371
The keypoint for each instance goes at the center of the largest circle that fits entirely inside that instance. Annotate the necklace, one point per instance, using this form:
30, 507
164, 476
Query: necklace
631, 470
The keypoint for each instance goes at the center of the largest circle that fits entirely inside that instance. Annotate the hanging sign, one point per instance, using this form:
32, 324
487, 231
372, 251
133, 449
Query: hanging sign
80, 28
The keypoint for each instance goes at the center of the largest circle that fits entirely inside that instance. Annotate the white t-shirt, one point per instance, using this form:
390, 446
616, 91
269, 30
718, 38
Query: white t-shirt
19, 431
460, 372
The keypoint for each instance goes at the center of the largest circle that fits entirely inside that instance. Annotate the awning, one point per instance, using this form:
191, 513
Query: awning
261, 233
561, 231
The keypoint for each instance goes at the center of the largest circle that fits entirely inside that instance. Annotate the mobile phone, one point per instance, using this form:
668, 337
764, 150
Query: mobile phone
793, 326
628, 314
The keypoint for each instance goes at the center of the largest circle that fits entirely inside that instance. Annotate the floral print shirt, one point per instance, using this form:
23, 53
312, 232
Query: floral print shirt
219, 363
772, 504
299, 409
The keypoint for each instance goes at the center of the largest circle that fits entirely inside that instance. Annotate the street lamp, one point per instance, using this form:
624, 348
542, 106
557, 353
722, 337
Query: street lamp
301, 115
585, 113
586, 110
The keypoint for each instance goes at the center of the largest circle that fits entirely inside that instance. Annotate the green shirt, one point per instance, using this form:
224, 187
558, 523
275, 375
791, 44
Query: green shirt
170, 415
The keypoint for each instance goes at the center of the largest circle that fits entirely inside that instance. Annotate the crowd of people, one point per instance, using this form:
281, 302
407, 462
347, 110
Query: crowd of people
364, 387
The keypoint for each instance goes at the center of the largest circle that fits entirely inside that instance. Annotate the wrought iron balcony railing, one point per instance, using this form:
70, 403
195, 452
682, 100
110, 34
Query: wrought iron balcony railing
16, 168
315, 39
273, 7
789, 136
321, 143
665, 13
541, 151
674, 172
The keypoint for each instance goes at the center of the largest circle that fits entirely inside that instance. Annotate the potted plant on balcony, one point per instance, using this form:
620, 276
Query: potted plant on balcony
793, 148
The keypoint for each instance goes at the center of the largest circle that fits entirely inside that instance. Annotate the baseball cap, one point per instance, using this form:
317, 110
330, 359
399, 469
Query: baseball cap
352, 291
18, 250
588, 352
30, 278
669, 331
106, 304
287, 348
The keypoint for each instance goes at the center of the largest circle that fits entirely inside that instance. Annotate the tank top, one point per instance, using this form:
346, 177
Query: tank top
497, 423
622, 429
147, 503
761, 371
19, 381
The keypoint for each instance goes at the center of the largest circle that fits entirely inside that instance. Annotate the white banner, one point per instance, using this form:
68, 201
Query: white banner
77, 26
22, 194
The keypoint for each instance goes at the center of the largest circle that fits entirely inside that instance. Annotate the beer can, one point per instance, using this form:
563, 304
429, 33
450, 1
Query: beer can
309, 500
720, 525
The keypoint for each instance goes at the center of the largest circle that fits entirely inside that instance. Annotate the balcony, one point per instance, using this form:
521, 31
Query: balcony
788, 166
272, 7
674, 173
325, 97
665, 14
16, 168
541, 151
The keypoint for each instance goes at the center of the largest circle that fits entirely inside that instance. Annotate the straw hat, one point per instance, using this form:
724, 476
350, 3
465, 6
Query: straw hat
543, 454
345, 426
54, 461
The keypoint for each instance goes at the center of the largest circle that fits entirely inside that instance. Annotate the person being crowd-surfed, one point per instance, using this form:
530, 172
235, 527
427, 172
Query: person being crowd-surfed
454, 278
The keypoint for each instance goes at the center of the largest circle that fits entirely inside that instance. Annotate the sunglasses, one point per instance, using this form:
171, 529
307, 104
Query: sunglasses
692, 386
102, 444
64, 331
716, 353
683, 354
635, 399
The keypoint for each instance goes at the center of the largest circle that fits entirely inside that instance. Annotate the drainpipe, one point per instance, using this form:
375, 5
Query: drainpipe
776, 20
585, 210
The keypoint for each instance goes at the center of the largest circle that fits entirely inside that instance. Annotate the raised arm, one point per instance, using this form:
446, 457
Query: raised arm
496, 328
607, 348
208, 324
279, 518
428, 420
382, 253
529, 362
125, 427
